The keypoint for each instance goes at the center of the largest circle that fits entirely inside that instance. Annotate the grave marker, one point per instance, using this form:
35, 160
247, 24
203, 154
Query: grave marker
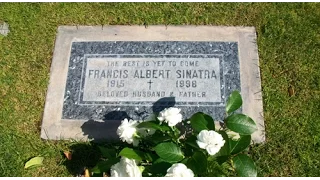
101, 75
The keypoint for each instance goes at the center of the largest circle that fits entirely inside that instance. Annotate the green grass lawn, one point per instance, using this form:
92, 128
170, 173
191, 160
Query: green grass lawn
289, 51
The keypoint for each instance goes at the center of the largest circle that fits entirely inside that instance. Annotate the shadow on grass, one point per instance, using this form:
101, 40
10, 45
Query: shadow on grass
103, 133
84, 155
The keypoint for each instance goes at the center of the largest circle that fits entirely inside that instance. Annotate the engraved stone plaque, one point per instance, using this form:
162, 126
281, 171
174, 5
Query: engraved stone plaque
104, 76
133, 79
101, 76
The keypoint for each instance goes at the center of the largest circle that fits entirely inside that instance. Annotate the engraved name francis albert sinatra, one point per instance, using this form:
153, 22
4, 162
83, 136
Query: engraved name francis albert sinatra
185, 78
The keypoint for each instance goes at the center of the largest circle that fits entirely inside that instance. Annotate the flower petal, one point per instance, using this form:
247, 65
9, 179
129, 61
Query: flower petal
202, 145
212, 150
179, 170
125, 168
202, 135
127, 130
160, 118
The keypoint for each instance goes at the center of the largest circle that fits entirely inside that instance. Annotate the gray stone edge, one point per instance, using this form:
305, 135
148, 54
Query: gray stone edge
55, 128
251, 83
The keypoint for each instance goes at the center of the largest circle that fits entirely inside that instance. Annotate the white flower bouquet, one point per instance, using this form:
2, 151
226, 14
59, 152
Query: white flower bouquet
157, 147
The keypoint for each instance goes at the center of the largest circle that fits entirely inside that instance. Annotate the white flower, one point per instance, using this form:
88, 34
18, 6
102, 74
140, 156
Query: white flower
171, 116
127, 131
233, 135
210, 140
125, 168
179, 170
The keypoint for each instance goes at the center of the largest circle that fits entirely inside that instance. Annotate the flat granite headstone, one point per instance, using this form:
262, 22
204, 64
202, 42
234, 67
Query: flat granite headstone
101, 75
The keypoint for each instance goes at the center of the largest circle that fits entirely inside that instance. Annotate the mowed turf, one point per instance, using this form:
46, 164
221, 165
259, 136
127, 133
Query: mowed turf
289, 51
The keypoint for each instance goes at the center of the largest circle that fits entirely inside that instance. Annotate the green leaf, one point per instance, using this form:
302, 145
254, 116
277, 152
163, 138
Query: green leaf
244, 166
104, 166
158, 137
192, 141
107, 153
160, 166
153, 125
198, 163
241, 124
149, 124
132, 154
188, 150
240, 145
234, 102
222, 159
36, 161
225, 149
210, 121
169, 152
176, 132
96, 174
201, 121
185, 161
150, 157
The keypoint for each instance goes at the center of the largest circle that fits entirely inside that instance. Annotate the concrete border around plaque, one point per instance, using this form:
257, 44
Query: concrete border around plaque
70, 104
